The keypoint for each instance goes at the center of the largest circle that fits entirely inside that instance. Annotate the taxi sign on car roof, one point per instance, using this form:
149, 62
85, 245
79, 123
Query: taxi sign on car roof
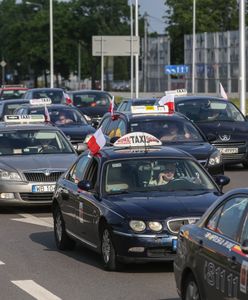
142, 109
40, 101
178, 92
137, 139
23, 119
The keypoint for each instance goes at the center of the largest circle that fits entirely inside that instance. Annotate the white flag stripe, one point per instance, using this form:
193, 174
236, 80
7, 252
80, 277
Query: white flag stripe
2, 263
100, 138
35, 290
222, 92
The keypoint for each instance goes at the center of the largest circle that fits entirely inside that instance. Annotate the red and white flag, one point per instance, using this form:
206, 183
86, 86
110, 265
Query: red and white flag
222, 92
47, 115
96, 142
68, 100
111, 106
169, 101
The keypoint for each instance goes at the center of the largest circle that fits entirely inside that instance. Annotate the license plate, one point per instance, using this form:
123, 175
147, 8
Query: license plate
228, 150
43, 188
174, 245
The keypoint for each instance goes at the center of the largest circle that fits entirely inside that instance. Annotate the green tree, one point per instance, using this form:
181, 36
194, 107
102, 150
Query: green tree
211, 16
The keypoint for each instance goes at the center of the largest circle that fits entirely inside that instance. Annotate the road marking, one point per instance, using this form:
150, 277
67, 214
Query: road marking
35, 290
2, 263
28, 218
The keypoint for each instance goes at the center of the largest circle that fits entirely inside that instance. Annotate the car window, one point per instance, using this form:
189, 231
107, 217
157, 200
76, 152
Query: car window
245, 229
83, 99
78, 170
91, 173
112, 127
122, 129
231, 214
55, 96
104, 125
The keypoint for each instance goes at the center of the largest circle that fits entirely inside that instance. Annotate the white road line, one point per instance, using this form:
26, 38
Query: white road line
35, 290
2, 263
28, 218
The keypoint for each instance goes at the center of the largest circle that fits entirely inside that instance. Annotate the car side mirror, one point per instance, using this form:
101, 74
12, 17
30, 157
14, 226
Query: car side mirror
221, 180
85, 185
211, 137
244, 246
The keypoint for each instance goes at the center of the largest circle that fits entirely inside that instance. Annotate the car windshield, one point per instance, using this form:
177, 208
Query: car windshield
56, 96
91, 99
61, 116
9, 108
31, 142
208, 110
154, 175
168, 130
12, 94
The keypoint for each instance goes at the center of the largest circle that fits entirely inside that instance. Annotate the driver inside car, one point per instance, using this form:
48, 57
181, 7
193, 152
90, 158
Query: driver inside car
164, 176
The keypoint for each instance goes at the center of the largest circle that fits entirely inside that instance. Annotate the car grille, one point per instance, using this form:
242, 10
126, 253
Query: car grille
229, 145
36, 196
160, 252
42, 177
174, 225
234, 156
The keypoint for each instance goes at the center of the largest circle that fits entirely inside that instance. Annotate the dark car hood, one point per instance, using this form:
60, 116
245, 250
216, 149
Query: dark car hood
93, 111
238, 131
161, 207
38, 161
200, 150
77, 130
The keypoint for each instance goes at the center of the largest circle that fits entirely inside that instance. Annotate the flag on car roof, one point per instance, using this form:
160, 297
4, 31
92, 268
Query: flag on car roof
169, 101
47, 115
111, 106
96, 142
68, 100
222, 92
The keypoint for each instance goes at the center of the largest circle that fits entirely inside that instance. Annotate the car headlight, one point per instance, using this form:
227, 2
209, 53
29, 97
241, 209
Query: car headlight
215, 158
155, 226
6, 175
137, 226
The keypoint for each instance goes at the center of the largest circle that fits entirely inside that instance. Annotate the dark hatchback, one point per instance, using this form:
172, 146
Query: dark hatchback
107, 203
7, 107
92, 103
57, 95
212, 255
158, 124
76, 130
221, 119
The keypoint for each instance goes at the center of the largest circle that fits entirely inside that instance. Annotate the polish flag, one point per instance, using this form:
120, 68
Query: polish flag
222, 92
169, 101
111, 106
68, 100
96, 142
47, 115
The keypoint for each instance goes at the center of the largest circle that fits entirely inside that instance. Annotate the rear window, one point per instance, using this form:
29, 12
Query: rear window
91, 100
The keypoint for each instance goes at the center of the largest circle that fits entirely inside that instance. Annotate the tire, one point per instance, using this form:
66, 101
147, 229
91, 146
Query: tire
108, 251
63, 241
191, 289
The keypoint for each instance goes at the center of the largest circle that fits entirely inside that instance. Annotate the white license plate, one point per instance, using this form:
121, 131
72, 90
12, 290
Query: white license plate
43, 188
228, 150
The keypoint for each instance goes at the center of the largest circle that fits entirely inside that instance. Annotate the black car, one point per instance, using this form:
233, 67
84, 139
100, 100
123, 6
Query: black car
189, 137
57, 95
221, 119
7, 107
92, 103
111, 203
128, 104
68, 118
212, 255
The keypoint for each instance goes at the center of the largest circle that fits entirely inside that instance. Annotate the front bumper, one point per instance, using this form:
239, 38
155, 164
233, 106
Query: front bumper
157, 247
22, 193
233, 153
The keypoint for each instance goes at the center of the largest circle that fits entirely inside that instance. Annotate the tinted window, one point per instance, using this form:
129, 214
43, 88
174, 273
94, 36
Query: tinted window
245, 229
55, 95
77, 172
90, 99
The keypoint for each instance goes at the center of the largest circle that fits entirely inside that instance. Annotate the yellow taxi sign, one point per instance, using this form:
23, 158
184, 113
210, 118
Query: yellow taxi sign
178, 92
40, 101
137, 139
146, 109
23, 119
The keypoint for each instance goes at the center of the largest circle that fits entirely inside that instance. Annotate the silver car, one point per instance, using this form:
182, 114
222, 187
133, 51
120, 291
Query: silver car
32, 158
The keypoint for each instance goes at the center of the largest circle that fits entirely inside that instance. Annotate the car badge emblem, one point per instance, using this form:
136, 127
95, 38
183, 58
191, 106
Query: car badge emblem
47, 172
225, 137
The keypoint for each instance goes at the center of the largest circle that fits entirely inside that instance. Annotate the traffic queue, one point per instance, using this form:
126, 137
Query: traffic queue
149, 187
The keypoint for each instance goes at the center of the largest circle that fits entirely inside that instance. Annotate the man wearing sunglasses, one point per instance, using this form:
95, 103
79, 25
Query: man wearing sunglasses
165, 176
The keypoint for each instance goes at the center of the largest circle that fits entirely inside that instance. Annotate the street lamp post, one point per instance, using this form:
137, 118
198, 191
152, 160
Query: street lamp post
242, 73
51, 43
193, 50
137, 56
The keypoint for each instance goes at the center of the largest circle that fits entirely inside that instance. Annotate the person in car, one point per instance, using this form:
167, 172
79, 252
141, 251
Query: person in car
63, 119
165, 176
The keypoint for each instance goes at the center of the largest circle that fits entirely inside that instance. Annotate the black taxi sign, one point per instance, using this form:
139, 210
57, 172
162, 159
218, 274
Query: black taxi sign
137, 139
40, 101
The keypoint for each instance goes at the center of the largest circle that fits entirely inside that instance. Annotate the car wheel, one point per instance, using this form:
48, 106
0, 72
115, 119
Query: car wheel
191, 289
63, 241
108, 251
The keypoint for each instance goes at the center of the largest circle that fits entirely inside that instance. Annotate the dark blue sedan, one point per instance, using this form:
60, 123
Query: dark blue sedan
128, 203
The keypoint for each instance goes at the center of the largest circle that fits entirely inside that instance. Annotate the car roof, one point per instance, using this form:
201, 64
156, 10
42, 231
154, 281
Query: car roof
140, 99
155, 151
88, 91
195, 97
6, 127
53, 105
9, 101
46, 89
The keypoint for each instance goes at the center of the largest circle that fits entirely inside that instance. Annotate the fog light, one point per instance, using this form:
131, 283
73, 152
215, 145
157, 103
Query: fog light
136, 249
6, 195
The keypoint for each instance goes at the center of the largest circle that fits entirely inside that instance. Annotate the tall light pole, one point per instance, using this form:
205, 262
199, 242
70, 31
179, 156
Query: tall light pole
51, 43
131, 62
137, 56
242, 79
193, 49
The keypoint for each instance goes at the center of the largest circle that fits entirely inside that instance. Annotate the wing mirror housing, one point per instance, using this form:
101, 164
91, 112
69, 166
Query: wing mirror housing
244, 246
221, 180
85, 185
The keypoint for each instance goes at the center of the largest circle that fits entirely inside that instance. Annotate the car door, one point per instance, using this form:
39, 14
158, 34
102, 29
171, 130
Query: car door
88, 210
69, 192
216, 261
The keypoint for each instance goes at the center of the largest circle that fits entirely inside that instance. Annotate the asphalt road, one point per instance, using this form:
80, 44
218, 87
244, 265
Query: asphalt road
32, 268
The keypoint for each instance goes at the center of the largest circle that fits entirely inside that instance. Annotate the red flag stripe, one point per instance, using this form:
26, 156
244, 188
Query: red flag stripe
92, 145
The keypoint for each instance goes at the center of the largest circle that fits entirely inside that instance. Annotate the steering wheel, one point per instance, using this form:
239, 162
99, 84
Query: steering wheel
44, 148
